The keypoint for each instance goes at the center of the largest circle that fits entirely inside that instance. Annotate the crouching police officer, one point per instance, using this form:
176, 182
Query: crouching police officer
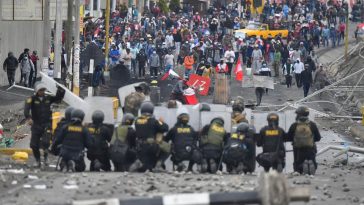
184, 142
271, 138
101, 136
38, 113
147, 128
63, 122
73, 138
304, 134
238, 150
123, 144
211, 144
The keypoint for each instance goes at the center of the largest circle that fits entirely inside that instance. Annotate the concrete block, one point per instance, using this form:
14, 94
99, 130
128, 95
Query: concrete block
357, 131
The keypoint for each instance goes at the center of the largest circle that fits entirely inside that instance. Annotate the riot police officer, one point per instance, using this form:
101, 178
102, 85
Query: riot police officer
238, 114
101, 136
184, 142
38, 113
123, 144
211, 143
271, 138
238, 150
134, 100
64, 121
147, 127
304, 134
73, 138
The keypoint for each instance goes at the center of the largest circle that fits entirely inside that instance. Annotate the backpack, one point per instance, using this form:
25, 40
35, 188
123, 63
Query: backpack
303, 137
118, 148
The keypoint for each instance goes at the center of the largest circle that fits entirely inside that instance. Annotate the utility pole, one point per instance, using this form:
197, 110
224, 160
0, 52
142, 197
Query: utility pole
107, 28
46, 37
76, 68
347, 34
69, 28
91, 7
58, 41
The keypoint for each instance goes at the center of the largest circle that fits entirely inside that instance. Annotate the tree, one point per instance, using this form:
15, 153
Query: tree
174, 5
162, 4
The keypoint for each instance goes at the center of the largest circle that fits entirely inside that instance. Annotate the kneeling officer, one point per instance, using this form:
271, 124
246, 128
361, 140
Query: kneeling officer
73, 138
101, 136
211, 144
184, 142
271, 138
147, 128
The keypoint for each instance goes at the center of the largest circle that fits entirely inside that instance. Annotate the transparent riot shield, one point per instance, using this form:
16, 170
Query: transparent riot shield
105, 104
168, 115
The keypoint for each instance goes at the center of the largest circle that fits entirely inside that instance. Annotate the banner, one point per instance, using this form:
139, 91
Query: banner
199, 81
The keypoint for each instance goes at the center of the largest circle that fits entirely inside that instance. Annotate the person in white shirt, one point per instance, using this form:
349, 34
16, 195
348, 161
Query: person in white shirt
229, 59
169, 61
298, 68
126, 57
257, 57
169, 40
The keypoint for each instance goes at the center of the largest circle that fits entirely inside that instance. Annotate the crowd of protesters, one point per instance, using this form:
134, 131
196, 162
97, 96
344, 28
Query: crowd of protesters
185, 39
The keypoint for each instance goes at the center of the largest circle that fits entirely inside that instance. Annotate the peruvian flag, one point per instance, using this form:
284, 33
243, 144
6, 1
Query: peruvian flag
172, 73
238, 71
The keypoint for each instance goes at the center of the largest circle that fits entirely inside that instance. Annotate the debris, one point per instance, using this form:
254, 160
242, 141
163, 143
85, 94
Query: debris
27, 186
346, 189
32, 177
70, 186
12, 171
40, 186
14, 182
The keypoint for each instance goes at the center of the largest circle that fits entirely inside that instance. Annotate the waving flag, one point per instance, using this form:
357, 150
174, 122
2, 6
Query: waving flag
238, 71
172, 73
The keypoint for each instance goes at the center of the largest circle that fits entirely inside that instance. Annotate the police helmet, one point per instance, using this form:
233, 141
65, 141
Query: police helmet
205, 107
218, 120
238, 105
98, 117
147, 108
128, 119
77, 114
243, 128
302, 111
183, 115
273, 119
68, 112
145, 87
172, 104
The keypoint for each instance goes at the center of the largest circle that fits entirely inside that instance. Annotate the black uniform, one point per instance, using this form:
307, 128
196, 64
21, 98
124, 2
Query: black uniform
272, 141
98, 152
39, 110
236, 153
10, 65
184, 144
123, 147
147, 128
303, 153
74, 138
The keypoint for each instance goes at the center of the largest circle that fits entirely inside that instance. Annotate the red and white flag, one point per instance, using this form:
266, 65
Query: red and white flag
172, 73
238, 71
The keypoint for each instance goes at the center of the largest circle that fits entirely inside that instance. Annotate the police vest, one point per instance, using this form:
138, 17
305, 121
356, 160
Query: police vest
120, 133
183, 137
215, 135
271, 139
98, 140
74, 137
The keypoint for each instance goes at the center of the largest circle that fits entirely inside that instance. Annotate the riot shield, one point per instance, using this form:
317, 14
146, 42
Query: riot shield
217, 111
168, 115
105, 104
222, 90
